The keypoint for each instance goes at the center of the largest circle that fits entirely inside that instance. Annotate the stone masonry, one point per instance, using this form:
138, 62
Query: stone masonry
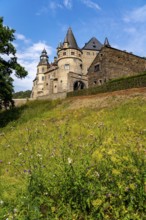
77, 68
111, 63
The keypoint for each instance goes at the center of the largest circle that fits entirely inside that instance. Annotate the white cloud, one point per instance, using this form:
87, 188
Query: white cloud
29, 58
34, 51
130, 30
91, 4
137, 15
67, 4
21, 37
54, 5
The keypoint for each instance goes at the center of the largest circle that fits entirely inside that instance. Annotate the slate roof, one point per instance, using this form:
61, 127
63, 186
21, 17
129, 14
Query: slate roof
106, 42
43, 58
92, 44
70, 39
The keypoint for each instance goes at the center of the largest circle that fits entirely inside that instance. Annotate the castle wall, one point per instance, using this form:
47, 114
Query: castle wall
87, 58
61, 95
111, 63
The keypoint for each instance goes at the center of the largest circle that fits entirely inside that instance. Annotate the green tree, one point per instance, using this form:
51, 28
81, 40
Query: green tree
8, 64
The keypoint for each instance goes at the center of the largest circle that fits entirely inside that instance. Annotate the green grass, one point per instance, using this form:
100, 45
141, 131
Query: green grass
59, 163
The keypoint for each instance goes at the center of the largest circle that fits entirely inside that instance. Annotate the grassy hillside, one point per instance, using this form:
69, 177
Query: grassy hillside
59, 161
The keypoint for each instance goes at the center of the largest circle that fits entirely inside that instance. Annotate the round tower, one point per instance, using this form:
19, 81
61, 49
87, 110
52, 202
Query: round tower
69, 55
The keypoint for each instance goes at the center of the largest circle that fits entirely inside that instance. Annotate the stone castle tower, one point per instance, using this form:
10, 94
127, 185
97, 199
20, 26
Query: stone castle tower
69, 70
40, 76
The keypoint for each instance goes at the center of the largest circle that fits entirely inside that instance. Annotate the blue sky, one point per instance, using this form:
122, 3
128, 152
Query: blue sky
44, 23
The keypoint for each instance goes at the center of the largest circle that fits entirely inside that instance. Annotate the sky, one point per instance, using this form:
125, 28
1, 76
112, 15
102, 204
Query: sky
40, 24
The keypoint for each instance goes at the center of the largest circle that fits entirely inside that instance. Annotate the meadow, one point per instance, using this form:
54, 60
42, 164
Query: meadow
63, 163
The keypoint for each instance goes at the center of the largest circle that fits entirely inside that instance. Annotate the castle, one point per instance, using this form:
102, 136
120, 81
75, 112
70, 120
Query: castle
75, 68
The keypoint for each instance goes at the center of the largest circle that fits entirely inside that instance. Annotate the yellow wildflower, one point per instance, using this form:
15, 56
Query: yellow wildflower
96, 203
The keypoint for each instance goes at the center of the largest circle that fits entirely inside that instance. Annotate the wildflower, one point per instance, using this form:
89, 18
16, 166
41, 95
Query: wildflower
97, 202
15, 210
97, 174
19, 154
108, 195
69, 160
9, 163
115, 172
1, 161
1, 202
132, 186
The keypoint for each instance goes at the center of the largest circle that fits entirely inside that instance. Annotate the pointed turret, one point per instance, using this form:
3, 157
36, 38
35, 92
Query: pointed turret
106, 42
70, 39
44, 57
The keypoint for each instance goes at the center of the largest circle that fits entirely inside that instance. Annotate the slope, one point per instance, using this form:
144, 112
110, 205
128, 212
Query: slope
80, 158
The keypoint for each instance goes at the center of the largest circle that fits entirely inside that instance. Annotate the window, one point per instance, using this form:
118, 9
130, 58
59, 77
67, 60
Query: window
95, 82
66, 66
43, 69
96, 68
42, 78
88, 53
64, 53
72, 53
100, 81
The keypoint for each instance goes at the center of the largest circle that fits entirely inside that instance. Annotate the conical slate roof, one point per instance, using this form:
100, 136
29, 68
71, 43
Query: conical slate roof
44, 52
93, 44
106, 42
70, 39
44, 57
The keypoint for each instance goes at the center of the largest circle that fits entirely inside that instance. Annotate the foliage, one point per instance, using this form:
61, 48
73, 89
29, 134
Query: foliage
8, 64
114, 85
22, 94
58, 163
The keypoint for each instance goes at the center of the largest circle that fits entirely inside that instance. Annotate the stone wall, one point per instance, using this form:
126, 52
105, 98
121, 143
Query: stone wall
87, 58
111, 63
19, 102
61, 95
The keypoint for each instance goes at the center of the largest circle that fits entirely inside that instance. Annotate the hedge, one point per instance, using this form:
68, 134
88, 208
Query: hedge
113, 85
